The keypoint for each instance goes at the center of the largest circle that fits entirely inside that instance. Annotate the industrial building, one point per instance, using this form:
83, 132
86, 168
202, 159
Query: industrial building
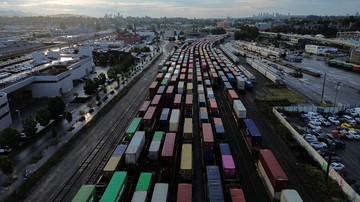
319, 50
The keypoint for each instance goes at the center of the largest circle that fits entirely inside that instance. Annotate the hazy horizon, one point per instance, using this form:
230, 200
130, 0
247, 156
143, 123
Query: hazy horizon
183, 8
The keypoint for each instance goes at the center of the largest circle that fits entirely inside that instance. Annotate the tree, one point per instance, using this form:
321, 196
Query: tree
218, 30
43, 116
102, 78
29, 126
89, 87
104, 89
6, 165
68, 117
56, 107
102, 60
10, 138
111, 73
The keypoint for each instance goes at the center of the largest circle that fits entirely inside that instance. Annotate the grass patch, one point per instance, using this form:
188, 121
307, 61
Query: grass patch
282, 94
36, 158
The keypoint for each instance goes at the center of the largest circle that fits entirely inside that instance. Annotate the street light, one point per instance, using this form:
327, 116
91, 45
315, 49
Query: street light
337, 90
18, 111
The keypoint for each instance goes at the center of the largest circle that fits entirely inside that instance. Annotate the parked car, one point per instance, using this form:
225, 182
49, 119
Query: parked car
354, 133
347, 126
318, 145
326, 122
333, 159
339, 143
325, 152
337, 133
337, 166
315, 122
334, 120
311, 139
349, 119
5, 150
312, 126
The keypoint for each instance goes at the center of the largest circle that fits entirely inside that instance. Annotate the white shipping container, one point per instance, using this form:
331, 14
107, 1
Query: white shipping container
154, 150
239, 109
200, 89
139, 196
160, 193
180, 88
168, 76
240, 83
135, 147
174, 120
290, 195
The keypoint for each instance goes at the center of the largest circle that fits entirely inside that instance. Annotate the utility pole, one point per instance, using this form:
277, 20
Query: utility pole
322, 92
337, 90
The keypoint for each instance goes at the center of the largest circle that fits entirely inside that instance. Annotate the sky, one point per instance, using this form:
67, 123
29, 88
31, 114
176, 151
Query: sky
183, 8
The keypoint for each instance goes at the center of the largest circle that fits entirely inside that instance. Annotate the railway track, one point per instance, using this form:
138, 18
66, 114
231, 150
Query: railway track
103, 150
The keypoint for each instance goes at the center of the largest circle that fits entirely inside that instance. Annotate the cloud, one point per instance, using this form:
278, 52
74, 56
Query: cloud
182, 8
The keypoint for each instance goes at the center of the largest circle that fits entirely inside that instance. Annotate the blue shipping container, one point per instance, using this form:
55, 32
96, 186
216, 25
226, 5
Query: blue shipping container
253, 132
224, 149
215, 191
120, 150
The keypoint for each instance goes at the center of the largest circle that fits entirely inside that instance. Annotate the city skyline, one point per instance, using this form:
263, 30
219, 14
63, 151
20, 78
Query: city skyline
182, 8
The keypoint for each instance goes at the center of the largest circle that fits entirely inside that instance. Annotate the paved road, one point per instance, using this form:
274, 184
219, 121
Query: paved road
88, 139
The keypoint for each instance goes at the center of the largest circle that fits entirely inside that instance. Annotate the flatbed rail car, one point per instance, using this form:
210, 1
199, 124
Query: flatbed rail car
214, 184
133, 127
184, 193
116, 162
208, 142
86, 193
155, 146
188, 130
273, 176
143, 187
252, 136
186, 163
116, 187
160, 193
168, 156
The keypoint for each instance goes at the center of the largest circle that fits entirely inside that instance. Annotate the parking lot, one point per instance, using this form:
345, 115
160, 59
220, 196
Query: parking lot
328, 131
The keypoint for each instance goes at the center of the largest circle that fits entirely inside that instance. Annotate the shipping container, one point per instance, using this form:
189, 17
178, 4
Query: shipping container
189, 78
155, 146
167, 156
144, 108
160, 90
180, 87
86, 193
239, 110
144, 182
290, 195
112, 165
116, 187
170, 92
214, 110
160, 193
237, 195
224, 149
202, 100
149, 119
231, 78
273, 175
164, 119
134, 126
214, 184
228, 166
186, 162
182, 77
188, 129
232, 95
219, 128
177, 101
153, 89
214, 79
165, 82
240, 83
120, 150
200, 89
204, 117
135, 147
159, 77
189, 88
139, 196
253, 136
174, 120
209, 93
188, 104
207, 137
174, 80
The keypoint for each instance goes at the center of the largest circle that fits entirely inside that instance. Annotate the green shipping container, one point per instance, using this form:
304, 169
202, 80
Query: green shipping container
164, 82
86, 193
115, 188
158, 135
144, 182
134, 126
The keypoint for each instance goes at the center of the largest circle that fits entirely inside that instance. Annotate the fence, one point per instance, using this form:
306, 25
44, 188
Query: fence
345, 187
